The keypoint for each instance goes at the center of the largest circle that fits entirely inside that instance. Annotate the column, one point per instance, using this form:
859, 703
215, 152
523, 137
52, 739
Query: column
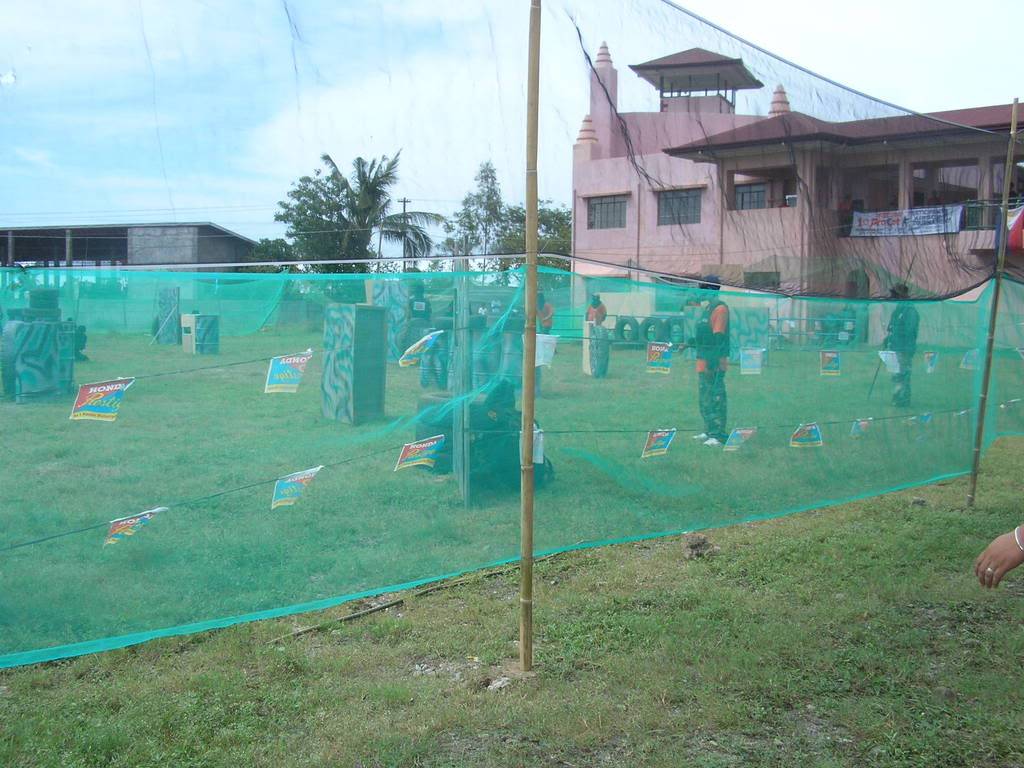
67, 247
906, 184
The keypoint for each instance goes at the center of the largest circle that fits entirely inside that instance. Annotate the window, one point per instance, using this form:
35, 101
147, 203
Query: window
946, 183
679, 206
607, 212
750, 196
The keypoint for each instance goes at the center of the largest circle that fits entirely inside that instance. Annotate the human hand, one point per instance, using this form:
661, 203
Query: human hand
999, 558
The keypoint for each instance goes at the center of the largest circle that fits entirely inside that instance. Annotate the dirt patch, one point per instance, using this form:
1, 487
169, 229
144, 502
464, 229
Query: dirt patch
697, 546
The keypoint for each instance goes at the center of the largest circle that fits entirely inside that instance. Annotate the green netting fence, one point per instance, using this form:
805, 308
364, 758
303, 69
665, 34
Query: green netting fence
211, 389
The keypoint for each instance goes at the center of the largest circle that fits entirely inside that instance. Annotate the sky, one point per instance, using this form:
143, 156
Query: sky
207, 110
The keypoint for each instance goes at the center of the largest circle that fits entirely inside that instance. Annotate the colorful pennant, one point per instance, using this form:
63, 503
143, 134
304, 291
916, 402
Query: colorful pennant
127, 526
285, 373
969, 362
751, 361
931, 361
100, 401
658, 441
659, 356
422, 453
738, 437
830, 363
414, 354
288, 489
806, 436
860, 427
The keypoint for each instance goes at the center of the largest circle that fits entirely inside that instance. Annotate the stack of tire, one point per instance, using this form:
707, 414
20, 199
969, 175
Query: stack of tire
631, 331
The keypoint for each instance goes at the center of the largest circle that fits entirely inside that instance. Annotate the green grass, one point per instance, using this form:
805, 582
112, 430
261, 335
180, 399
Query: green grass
846, 636
361, 527
853, 636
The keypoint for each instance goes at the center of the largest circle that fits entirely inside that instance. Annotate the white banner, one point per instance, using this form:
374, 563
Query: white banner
938, 220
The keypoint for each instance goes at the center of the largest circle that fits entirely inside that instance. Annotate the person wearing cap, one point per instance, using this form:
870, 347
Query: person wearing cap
711, 342
596, 312
901, 338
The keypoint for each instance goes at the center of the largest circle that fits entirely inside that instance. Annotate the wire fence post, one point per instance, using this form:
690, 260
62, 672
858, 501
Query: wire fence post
1001, 238
529, 349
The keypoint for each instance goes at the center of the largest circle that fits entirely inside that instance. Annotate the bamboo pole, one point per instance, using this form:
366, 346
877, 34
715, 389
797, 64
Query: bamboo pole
1002, 236
526, 487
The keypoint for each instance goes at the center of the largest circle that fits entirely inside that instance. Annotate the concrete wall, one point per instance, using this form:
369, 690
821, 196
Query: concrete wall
216, 247
163, 245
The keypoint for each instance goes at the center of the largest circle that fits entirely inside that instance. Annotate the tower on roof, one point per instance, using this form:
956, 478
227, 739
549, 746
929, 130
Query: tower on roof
780, 102
697, 80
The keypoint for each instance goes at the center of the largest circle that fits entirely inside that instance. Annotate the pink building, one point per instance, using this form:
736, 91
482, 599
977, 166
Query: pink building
769, 200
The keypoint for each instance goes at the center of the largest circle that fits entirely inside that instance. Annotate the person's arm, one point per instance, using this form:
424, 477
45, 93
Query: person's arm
720, 334
1000, 557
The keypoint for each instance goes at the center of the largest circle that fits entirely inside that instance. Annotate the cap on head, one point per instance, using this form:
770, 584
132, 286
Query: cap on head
900, 291
710, 283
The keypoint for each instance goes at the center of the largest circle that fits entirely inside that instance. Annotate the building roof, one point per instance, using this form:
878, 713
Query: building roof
76, 227
697, 70
798, 127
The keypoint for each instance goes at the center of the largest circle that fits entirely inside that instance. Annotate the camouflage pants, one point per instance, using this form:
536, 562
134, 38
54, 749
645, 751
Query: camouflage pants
713, 403
901, 381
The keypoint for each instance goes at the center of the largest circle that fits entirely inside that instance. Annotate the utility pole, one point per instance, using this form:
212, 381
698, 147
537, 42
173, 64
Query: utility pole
405, 233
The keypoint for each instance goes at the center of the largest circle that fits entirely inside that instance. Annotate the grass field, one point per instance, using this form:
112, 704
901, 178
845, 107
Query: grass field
847, 636
185, 438
852, 636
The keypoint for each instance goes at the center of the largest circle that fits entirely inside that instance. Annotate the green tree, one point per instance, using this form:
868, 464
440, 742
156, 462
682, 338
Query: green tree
473, 229
554, 232
331, 216
277, 249
486, 225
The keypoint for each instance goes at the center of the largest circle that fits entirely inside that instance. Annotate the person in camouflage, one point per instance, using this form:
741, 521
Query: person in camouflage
711, 342
901, 338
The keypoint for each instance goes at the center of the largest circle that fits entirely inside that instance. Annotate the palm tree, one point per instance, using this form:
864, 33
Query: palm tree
367, 210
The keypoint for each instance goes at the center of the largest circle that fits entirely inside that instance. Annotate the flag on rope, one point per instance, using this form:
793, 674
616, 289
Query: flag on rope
806, 436
738, 437
414, 354
860, 427
659, 356
1014, 231
890, 361
285, 373
931, 360
100, 401
127, 526
751, 361
422, 453
830, 363
658, 441
289, 488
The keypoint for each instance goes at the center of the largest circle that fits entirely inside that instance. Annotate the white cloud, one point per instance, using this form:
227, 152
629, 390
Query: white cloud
38, 158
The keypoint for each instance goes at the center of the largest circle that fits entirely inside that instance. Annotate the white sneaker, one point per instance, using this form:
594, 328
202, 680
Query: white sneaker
702, 436
713, 442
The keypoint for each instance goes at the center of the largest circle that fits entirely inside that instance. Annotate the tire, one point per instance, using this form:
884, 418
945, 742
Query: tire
653, 329
626, 329
676, 330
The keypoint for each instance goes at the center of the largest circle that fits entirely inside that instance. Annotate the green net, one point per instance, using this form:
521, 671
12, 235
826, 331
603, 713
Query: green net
412, 450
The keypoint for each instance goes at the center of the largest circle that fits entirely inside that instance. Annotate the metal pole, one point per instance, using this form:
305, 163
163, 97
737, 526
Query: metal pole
1002, 236
67, 247
405, 233
529, 349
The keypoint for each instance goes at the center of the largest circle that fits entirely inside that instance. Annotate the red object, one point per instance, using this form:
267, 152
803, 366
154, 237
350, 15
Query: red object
1015, 229
596, 314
